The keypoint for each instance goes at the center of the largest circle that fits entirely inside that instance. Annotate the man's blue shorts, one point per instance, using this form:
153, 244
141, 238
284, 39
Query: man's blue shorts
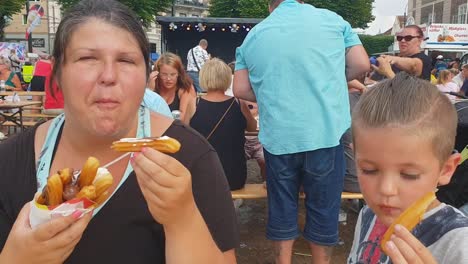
321, 174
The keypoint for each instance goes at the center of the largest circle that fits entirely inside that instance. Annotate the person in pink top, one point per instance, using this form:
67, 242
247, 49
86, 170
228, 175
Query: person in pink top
445, 84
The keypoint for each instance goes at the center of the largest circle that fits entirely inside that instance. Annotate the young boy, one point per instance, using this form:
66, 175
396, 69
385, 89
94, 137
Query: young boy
404, 132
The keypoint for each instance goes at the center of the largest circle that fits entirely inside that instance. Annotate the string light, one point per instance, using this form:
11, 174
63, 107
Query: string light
234, 28
172, 26
201, 27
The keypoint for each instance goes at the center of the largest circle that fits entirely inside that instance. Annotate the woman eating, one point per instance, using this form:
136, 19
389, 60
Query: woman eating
159, 204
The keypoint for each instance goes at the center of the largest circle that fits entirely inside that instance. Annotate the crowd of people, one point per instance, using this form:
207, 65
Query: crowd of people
378, 127
13, 72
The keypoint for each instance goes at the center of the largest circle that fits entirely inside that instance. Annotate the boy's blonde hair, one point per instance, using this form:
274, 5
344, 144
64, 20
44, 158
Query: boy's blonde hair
215, 75
413, 104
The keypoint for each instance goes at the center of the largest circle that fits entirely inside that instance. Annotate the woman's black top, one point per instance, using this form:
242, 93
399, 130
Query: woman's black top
175, 105
124, 231
228, 139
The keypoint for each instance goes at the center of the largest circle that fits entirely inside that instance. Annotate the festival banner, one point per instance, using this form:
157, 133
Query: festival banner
36, 12
447, 34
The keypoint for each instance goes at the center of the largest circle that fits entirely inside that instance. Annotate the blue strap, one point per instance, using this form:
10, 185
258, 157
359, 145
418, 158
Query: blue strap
45, 157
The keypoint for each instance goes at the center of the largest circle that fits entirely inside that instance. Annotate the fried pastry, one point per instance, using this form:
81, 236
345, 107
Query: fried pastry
410, 217
164, 144
93, 183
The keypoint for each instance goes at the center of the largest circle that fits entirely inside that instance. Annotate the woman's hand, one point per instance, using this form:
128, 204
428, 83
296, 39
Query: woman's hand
405, 248
152, 79
51, 242
385, 66
166, 185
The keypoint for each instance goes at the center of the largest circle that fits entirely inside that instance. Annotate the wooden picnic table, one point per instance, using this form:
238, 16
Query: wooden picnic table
16, 117
4, 94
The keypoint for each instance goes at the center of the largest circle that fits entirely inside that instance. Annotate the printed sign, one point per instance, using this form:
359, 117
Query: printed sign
447, 34
38, 43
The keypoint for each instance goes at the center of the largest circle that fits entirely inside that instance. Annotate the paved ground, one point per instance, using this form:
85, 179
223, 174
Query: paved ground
255, 248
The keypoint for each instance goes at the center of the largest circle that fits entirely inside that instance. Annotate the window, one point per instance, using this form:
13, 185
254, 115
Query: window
194, 15
182, 14
461, 14
431, 16
24, 20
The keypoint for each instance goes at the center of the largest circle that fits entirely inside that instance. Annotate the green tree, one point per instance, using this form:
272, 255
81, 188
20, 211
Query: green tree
7, 9
253, 8
145, 9
224, 8
357, 12
376, 44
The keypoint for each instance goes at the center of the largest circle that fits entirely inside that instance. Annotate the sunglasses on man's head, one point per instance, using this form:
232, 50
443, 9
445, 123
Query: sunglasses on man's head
406, 38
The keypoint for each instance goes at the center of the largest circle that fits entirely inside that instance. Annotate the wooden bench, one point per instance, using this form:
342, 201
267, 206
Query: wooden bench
25, 123
36, 115
256, 191
40, 108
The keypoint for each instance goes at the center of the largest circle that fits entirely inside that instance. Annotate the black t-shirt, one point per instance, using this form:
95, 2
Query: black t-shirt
425, 73
124, 230
427, 65
228, 139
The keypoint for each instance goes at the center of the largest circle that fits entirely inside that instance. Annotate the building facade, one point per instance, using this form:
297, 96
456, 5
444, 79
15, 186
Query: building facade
43, 35
190, 8
438, 11
16, 30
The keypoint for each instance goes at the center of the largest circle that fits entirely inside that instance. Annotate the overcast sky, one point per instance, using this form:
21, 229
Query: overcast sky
385, 12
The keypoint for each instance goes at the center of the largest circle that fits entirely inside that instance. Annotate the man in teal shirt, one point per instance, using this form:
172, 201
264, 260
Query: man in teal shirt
295, 64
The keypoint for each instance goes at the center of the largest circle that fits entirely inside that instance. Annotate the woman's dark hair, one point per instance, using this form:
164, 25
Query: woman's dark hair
110, 11
184, 82
418, 30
